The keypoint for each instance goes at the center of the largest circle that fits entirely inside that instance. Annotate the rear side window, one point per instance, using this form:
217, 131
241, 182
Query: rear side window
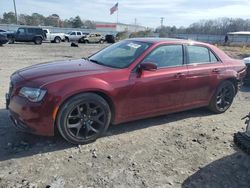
35, 30
30, 30
212, 57
78, 33
166, 56
199, 54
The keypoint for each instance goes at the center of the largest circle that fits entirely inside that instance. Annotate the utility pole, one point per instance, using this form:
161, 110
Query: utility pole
14, 2
162, 19
135, 24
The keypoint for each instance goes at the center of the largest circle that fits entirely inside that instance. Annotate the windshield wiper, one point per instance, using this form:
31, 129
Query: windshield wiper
86, 58
97, 62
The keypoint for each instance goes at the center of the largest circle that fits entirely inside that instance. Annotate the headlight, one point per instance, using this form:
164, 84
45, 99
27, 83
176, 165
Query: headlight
32, 94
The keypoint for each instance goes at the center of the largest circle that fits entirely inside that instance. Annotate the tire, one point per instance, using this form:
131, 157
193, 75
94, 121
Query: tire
38, 40
11, 41
66, 39
101, 41
83, 118
223, 97
57, 40
81, 40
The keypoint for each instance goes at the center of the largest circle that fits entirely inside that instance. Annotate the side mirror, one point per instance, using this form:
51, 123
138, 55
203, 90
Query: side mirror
148, 66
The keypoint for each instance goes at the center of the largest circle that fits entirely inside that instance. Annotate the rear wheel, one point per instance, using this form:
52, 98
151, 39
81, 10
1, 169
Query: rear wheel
38, 40
223, 97
83, 118
57, 40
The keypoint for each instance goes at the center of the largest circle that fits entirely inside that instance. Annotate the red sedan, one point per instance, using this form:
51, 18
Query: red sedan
129, 80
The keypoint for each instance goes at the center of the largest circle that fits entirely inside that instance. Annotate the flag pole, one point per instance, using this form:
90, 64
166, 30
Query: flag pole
117, 14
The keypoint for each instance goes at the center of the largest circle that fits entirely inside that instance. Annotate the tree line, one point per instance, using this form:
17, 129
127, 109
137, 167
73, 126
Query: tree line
219, 26
37, 19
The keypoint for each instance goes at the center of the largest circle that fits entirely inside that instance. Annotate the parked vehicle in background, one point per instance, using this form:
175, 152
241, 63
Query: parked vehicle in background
129, 80
27, 34
3, 39
75, 36
54, 37
93, 38
110, 38
247, 77
2, 31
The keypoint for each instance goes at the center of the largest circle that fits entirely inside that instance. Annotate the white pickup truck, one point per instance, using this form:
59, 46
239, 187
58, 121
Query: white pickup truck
75, 36
54, 37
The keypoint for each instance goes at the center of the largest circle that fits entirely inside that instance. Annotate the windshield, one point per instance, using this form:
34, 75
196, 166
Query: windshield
121, 54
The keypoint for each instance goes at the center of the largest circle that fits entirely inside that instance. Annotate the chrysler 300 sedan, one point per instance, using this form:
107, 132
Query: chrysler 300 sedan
129, 80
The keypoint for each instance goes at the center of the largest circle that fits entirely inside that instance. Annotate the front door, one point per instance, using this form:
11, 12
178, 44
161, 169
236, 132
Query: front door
21, 35
159, 91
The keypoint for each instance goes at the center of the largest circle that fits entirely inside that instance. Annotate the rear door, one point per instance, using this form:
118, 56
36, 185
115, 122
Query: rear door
204, 69
31, 33
92, 37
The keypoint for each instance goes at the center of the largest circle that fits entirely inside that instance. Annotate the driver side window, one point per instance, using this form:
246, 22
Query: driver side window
166, 56
21, 31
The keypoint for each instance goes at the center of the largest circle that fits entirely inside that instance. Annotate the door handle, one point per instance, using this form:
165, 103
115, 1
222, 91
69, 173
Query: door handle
216, 70
179, 75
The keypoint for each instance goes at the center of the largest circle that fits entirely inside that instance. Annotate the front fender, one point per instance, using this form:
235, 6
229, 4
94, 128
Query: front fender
63, 90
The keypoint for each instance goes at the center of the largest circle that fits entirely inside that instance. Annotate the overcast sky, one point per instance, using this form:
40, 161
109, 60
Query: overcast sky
147, 12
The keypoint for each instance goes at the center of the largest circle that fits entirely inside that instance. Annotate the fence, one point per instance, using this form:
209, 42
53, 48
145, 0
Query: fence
216, 39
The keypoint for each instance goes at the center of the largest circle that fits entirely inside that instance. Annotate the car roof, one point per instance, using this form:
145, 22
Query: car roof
30, 27
166, 40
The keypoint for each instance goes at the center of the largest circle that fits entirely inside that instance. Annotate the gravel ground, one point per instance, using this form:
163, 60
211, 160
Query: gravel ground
187, 149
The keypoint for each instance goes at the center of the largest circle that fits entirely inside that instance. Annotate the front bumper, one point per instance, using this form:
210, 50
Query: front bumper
35, 118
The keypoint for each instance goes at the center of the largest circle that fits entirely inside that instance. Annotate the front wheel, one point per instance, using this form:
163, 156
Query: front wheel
223, 97
83, 118
66, 39
11, 41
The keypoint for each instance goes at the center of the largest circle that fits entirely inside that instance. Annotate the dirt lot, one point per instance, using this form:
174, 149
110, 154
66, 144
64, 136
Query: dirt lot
188, 149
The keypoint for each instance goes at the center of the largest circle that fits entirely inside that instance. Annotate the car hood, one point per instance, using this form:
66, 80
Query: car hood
53, 71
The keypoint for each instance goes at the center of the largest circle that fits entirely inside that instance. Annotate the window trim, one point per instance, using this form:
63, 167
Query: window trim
201, 63
161, 45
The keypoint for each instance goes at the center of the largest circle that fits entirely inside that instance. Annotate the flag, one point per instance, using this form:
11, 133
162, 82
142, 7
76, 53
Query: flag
114, 8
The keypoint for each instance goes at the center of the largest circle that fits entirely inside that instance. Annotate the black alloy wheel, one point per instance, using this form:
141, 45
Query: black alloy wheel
84, 118
223, 97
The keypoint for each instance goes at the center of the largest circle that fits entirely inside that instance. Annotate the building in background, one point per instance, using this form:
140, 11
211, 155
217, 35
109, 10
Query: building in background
239, 37
118, 27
